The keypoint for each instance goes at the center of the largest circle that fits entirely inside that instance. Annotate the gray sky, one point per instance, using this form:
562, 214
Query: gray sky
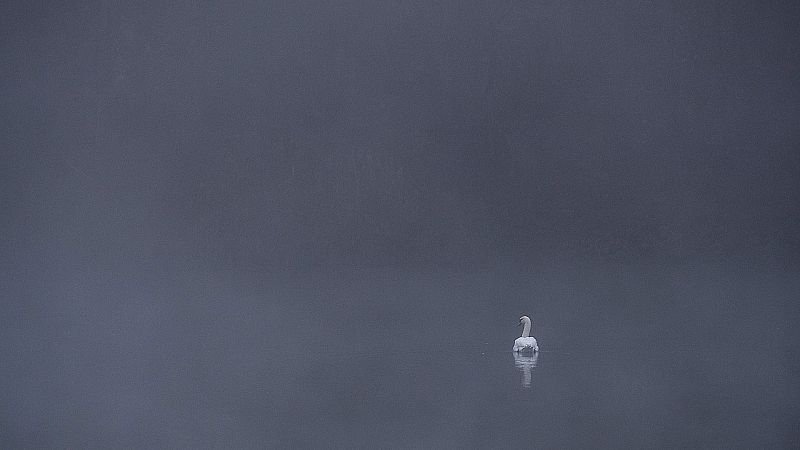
295, 134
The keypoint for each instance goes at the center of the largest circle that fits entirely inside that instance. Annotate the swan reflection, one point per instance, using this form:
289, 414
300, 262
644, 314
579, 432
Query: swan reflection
526, 363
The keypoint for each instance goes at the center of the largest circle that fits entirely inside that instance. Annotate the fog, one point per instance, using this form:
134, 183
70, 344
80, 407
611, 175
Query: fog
313, 224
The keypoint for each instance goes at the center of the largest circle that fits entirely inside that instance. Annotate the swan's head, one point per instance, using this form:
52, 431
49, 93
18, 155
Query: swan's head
523, 320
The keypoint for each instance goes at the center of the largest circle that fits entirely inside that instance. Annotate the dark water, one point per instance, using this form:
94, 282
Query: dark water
631, 356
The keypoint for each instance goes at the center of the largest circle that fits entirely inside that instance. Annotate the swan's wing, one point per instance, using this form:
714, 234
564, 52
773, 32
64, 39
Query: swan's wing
525, 342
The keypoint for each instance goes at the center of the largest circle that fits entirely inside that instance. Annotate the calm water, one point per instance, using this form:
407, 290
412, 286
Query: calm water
695, 356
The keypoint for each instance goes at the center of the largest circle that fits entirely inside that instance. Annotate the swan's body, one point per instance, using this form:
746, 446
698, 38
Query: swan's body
525, 342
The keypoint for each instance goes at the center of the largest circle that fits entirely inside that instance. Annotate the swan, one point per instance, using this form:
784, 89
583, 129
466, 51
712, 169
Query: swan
525, 341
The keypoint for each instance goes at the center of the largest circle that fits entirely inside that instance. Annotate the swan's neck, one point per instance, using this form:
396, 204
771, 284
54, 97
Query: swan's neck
526, 329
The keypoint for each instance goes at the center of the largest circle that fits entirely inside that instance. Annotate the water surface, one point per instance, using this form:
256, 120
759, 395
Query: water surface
702, 356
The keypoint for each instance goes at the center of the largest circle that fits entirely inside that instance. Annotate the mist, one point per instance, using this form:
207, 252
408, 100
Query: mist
212, 213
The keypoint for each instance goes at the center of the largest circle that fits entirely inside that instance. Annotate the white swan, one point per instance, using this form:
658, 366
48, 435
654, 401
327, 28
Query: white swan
526, 341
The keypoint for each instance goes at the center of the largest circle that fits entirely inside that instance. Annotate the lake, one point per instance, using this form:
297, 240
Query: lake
696, 356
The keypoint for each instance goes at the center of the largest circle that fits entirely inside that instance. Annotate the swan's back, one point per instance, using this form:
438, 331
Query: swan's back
524, 343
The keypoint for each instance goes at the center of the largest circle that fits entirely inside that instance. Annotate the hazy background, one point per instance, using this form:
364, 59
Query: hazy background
192, 192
